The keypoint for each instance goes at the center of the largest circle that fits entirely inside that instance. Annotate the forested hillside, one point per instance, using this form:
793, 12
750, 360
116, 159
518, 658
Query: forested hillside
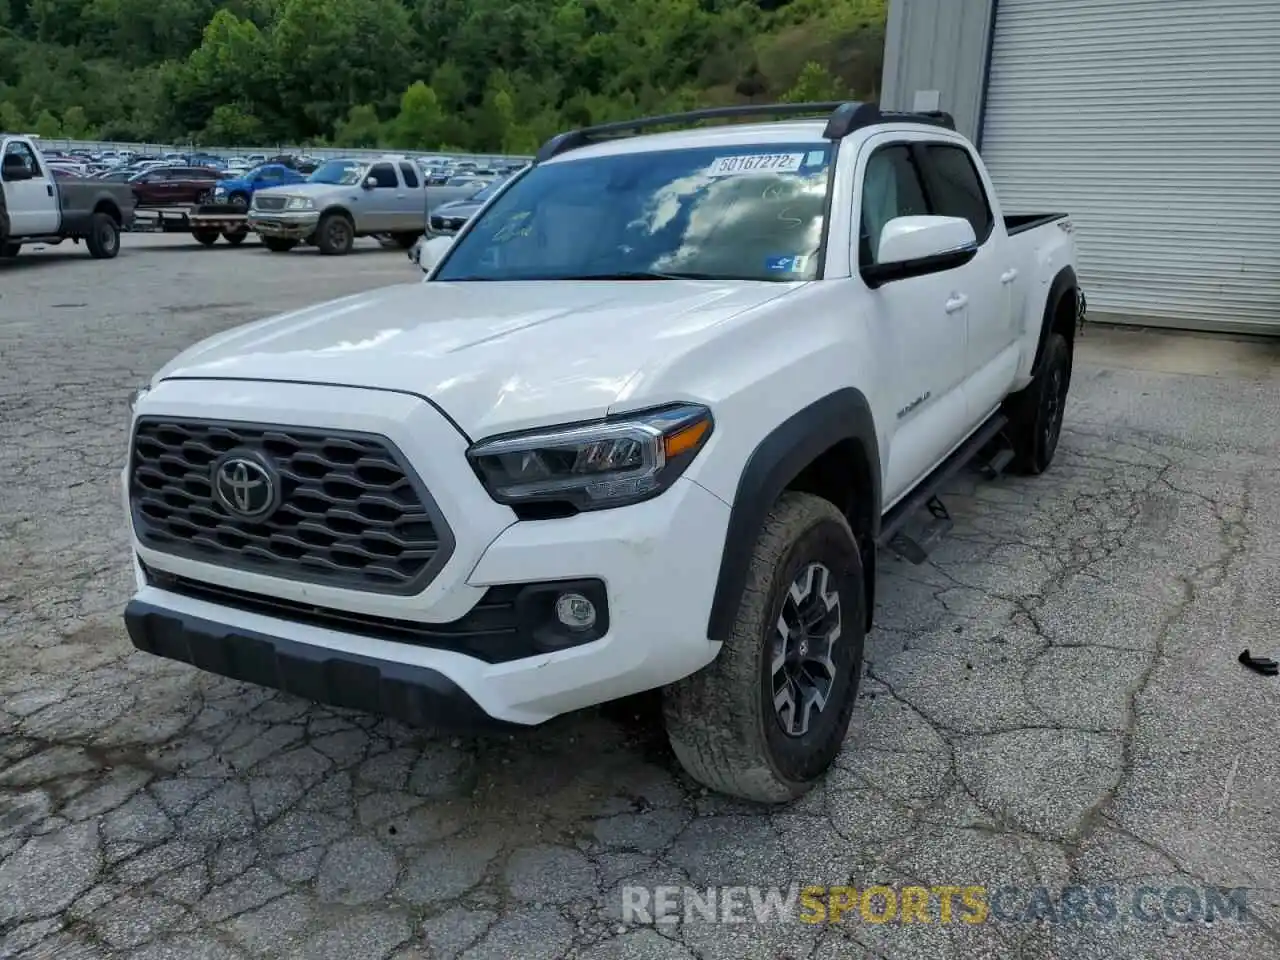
415, 74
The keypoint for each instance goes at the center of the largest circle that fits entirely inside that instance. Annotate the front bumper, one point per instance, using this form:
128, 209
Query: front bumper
657, 562
287, 224
415, 695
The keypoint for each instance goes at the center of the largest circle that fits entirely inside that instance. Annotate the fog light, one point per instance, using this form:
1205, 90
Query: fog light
575, 611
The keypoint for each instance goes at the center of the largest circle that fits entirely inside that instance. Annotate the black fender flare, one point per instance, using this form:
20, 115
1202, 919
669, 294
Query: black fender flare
776, 461
1064, 284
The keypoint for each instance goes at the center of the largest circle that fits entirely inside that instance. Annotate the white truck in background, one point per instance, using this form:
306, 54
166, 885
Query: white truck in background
644, 424
37, 207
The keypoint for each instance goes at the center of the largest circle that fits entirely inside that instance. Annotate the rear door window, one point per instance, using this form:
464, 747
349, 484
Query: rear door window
410, 175
956, 188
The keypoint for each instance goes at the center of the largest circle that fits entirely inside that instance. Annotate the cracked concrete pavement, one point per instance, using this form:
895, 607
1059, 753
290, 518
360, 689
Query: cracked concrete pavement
1053, 700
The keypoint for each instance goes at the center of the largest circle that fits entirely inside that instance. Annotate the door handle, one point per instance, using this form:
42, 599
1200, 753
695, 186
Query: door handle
957, 302
49, 187
1009, 276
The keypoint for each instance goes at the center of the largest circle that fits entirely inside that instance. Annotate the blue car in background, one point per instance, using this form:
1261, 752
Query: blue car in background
238, 191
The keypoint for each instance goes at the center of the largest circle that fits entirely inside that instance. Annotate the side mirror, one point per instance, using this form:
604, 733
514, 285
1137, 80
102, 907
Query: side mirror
430, 252
369, 183
916, 246
14, 172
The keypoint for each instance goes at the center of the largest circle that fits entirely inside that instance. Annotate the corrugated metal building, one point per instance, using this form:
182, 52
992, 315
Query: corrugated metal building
1154, 123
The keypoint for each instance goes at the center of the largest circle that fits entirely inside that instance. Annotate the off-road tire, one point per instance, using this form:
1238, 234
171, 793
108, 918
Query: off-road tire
206, 238
235, 237
335, 235
721, 721
1035, 412
279, 244
103, 240
8, 250
239, 200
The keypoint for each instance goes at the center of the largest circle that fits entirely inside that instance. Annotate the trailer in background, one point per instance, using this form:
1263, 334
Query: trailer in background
206, 222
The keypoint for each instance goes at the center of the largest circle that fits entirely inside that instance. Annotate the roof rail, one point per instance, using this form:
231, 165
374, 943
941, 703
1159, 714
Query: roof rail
844, 118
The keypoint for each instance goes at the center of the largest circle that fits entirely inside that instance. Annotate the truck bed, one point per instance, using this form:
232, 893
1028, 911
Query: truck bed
1022, 222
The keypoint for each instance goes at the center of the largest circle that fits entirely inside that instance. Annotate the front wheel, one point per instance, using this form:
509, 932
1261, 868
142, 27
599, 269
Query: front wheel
335, 235
1036, 412
766, 719
8, 250
104, 237
235, 237
206, 238
279, 244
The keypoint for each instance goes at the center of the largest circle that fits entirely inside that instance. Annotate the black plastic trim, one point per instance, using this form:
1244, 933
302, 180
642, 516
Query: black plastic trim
1022, 222
776, 461
845, 117
1064, 284
418, 696
510, 622
876, 275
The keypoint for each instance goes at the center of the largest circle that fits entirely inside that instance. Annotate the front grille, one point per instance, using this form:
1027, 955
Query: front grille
352, 513
271, 203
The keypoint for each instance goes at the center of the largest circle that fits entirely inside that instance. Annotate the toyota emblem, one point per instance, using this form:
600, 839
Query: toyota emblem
245, 486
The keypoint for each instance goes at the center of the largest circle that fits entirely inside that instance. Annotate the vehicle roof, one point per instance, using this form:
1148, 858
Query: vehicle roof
735, 135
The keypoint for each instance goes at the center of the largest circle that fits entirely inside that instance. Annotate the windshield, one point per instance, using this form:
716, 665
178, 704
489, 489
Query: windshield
342, 172
747, 212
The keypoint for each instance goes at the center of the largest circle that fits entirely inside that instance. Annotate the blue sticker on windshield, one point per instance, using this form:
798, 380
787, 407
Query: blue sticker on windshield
786, 264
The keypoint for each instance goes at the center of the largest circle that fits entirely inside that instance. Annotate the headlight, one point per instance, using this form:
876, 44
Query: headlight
298, 203
595, 466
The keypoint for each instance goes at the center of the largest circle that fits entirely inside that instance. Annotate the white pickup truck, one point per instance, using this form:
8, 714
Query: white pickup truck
37, 207
644, 424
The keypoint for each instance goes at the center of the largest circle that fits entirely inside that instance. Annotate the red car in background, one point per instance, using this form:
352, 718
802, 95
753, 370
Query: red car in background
174, 186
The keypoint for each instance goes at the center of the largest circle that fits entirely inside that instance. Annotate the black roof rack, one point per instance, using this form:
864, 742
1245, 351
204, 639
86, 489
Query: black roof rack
844, 118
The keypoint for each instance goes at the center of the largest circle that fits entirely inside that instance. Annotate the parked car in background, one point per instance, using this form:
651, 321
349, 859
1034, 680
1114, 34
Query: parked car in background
172, 186
238, 190
342, 200
38, 205
452, 215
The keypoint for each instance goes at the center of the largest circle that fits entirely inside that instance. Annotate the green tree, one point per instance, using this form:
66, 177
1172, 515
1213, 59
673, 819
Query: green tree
11, 117
360, 128
815, 83
233, 125
75, 124
418, 125
47, 125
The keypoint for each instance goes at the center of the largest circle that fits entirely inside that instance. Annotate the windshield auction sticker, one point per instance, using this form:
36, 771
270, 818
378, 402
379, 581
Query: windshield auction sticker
755, 163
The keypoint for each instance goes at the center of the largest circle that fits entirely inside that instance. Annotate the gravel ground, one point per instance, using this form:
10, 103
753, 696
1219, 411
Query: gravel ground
1052, 701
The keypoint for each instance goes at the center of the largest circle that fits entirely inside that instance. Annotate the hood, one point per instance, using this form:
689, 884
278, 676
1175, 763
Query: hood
306, 188
459, 208
494, 356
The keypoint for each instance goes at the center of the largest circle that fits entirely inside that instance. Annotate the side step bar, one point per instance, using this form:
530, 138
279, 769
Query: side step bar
917, 548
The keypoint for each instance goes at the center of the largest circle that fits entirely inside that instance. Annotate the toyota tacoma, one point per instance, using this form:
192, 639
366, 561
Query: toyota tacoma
644, 423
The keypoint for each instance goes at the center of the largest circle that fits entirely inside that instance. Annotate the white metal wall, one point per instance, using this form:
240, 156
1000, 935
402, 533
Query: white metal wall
1156, 125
